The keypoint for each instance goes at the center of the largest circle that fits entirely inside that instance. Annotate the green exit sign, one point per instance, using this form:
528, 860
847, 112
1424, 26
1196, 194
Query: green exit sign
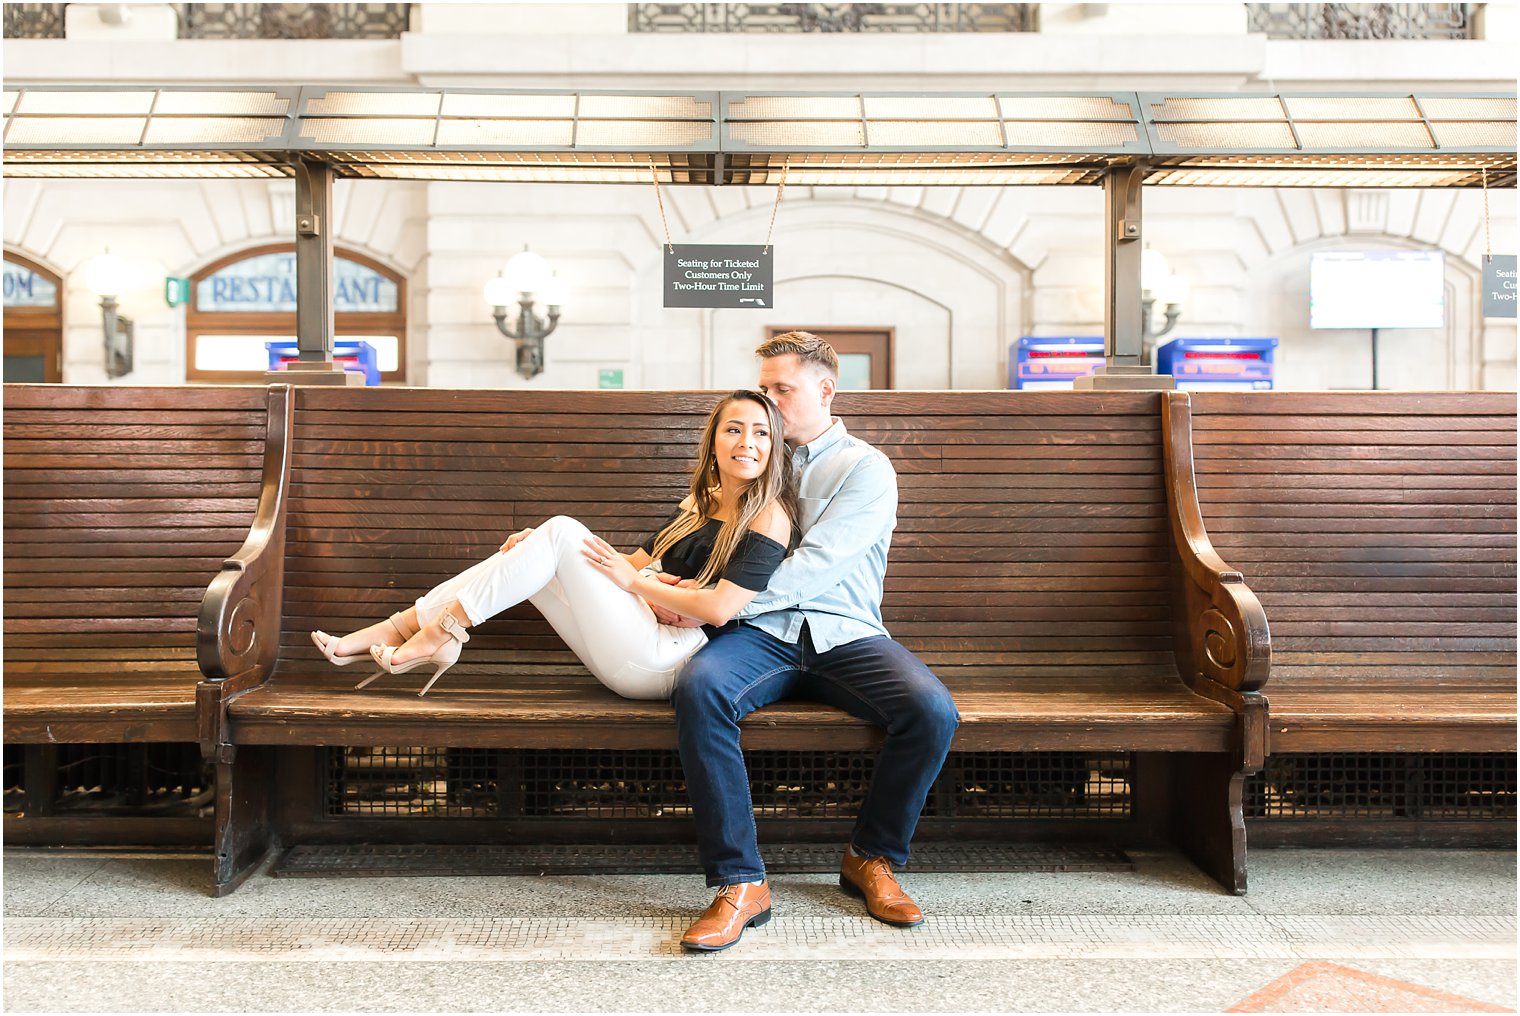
176, 291
606, 378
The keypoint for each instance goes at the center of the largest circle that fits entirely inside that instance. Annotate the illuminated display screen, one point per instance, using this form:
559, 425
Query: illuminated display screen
1377, 289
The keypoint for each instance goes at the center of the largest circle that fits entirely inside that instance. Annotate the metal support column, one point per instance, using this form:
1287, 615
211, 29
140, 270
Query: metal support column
314, 283
1121, 284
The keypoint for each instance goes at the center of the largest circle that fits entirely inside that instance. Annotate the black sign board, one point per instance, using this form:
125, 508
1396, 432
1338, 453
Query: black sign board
1499, 285
718, 275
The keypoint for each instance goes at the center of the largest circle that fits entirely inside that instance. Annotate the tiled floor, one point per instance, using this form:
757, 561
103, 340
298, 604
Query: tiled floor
1320, 931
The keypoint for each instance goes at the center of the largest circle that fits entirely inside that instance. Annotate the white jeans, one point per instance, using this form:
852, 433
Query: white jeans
613, 632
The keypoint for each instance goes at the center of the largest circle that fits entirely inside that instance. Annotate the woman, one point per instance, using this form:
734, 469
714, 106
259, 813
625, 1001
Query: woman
729, 534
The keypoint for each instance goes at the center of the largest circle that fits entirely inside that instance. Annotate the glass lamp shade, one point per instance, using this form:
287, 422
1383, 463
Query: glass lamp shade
526, 272
1174, 289
1154, 269
107, 275
555, 291
499, 292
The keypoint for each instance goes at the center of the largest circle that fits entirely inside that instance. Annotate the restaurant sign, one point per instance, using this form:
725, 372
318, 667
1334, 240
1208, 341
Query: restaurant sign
266, 284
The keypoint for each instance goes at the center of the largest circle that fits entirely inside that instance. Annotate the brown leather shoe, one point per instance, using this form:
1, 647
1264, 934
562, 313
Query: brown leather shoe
871, 879
735, 908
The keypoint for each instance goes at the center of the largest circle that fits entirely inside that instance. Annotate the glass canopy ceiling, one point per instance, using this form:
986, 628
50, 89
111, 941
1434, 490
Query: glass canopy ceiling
851, 139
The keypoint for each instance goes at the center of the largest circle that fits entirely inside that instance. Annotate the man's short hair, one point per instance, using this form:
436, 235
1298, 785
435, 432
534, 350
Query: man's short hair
808, 346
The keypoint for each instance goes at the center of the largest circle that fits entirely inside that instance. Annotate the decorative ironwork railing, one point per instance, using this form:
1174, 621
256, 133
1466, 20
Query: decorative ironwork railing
34, 21
1361, 21
292, 21
722, 17
239, 21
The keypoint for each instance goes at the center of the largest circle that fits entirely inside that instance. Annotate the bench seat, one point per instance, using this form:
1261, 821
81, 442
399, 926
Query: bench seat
1378, 529
1033, 569
124, 700
120, 504
538, 709
1393, 719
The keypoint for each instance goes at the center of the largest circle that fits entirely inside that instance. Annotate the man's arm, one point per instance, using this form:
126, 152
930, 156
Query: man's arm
864, 508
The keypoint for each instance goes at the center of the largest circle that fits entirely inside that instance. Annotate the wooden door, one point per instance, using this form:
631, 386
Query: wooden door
865, 354
33, 322
33, 356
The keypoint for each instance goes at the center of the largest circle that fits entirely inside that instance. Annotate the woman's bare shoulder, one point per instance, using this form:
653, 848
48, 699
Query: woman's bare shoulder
773, 523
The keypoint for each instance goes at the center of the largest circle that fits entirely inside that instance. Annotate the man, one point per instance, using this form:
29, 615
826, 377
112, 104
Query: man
816, 632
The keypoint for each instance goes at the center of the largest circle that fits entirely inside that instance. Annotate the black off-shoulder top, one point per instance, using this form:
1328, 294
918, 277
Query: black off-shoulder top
755, 558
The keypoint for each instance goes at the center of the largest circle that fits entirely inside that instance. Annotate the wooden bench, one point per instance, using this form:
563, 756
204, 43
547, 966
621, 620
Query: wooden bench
1379, 531
120, 503
1037, 567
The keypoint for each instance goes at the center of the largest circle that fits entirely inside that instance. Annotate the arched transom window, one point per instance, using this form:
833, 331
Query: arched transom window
242, 302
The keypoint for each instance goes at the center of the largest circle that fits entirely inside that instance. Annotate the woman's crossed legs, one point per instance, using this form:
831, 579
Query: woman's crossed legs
614, 632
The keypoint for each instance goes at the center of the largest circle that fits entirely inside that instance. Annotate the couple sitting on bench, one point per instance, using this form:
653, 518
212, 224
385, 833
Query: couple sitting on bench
770, 588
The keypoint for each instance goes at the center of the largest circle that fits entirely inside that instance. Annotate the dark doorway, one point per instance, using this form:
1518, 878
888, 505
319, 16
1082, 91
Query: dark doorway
865, 354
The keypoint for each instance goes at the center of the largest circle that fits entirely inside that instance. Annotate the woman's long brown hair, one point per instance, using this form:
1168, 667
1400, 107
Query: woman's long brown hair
775, 485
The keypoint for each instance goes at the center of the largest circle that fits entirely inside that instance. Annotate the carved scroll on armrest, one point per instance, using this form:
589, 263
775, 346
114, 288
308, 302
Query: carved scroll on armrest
238, 631
1221, 640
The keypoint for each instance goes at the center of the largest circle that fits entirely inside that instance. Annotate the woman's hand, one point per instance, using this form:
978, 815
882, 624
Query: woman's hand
664, 615
515, 539
609, 562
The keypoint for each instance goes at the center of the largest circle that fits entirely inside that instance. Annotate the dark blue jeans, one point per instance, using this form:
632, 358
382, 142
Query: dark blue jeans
876, 679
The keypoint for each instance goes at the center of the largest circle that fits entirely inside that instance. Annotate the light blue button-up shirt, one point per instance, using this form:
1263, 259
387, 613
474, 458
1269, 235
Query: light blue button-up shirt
833, 580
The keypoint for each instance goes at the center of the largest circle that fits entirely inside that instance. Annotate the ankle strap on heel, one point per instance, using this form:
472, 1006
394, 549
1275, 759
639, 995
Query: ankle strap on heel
449, 623
398, 621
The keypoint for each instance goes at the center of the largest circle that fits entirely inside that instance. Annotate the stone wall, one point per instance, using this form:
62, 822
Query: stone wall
960, 273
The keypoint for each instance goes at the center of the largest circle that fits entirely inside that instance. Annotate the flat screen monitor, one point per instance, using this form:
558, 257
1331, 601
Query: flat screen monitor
1377, 289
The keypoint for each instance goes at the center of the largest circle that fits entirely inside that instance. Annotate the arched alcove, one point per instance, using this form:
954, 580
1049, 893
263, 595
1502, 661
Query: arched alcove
955, 300
1448, 357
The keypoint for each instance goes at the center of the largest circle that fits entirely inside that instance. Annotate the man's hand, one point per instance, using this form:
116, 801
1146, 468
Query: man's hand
515, 539
670, 617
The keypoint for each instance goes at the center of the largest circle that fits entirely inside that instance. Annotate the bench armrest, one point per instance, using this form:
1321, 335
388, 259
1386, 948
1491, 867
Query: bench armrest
237, 634
1223, 648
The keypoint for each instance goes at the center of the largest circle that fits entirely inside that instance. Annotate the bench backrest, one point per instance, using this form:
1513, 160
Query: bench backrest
1378, 530
1032, 536
120, 505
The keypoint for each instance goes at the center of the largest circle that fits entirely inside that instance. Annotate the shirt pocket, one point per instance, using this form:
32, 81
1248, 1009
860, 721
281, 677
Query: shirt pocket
810, 509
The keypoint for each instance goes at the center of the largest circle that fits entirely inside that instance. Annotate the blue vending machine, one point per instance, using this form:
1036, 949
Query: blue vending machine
1036, 362
352, 354
1215, 365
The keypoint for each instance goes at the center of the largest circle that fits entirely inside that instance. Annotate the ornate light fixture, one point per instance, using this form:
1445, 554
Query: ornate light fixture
527, 279
108, 276
1157, 283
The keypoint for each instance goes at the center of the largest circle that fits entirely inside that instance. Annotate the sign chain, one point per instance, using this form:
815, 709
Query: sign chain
780, 189
655, 176
1488, 243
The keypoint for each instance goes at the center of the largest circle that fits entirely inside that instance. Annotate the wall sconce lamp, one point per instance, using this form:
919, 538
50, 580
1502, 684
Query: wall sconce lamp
108, 276
1157, 283
526, 280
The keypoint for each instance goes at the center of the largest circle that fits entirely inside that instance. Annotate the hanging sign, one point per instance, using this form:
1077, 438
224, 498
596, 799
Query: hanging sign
732, 275
1498, 285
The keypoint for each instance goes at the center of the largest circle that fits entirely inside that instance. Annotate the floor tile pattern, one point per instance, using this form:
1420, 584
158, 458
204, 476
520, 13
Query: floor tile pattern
804, 937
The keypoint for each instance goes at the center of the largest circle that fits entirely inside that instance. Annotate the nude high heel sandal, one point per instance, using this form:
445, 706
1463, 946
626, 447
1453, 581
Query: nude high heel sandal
444, 657
397, 621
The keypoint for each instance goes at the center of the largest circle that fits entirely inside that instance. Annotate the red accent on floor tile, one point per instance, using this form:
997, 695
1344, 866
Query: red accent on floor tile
1330, 987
